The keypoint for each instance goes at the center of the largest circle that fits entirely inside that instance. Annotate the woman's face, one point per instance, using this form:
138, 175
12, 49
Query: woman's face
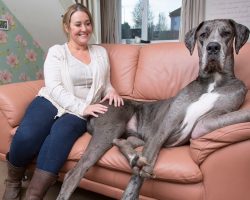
80, 28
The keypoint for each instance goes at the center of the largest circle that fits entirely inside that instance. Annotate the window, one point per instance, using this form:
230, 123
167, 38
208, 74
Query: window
150, 20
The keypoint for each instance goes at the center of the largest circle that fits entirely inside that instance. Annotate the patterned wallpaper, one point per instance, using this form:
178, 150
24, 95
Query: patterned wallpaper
21, 57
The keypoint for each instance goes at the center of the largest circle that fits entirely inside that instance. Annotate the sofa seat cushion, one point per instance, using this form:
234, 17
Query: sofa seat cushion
173, 164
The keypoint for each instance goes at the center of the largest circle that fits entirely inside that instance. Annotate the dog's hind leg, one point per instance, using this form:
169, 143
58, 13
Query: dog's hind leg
104, 129
100, 142
133, 188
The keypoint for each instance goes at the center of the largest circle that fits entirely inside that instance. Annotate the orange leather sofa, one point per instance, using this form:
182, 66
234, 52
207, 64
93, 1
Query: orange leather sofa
213, 167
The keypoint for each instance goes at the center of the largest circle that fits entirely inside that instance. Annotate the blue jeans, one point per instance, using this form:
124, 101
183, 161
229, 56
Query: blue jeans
41, 135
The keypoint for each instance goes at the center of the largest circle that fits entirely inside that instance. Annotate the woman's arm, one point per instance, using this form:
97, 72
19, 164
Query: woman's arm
109, 92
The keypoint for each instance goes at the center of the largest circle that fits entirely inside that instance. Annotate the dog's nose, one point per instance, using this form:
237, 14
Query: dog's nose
213, 48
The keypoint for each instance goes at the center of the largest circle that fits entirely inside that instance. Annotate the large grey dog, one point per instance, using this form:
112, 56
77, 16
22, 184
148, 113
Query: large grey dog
207, 103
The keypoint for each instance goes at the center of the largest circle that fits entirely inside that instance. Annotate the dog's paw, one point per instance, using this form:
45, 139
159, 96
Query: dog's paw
136, 170
147, 172
142, 161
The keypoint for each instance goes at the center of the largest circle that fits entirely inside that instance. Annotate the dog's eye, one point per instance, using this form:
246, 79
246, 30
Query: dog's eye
225, 33
203, 35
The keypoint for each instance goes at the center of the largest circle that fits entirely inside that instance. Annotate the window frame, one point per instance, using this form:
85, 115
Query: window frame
144, 26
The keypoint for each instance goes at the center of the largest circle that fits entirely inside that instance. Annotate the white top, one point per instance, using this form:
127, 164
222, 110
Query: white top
65, 84
81, 74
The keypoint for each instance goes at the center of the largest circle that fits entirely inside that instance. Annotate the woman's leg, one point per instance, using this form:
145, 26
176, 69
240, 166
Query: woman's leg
33, 129
26, 143
54, 153
56, 148
13, 182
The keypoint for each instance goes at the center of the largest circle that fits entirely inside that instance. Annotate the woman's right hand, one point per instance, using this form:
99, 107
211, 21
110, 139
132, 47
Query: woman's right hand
95, 109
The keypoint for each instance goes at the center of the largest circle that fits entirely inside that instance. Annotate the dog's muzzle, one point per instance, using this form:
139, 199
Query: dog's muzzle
213, 57
213, 48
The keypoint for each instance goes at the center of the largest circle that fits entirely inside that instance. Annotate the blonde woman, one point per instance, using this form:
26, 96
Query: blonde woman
76, 76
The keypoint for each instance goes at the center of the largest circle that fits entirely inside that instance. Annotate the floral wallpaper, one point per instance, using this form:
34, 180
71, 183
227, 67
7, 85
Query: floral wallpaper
21, 58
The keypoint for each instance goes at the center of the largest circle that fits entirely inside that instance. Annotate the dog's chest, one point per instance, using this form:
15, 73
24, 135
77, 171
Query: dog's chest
196, 110
193, 112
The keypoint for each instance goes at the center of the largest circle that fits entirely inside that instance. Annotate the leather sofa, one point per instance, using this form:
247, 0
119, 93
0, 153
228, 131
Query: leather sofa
213, 167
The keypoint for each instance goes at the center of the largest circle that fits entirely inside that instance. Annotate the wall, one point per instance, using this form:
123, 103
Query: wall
21, 57
234, 9
45, 16
42, 19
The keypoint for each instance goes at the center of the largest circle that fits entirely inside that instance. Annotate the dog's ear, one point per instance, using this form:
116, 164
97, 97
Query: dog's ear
241, 35
190, 38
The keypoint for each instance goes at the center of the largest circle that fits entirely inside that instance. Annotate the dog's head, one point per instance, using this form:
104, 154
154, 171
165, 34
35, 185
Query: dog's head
215, 42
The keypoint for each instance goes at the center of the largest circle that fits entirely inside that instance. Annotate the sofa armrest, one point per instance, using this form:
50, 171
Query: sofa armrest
15, 97
202, 147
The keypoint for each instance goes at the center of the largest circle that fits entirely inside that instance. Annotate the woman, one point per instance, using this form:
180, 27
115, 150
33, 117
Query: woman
76, 75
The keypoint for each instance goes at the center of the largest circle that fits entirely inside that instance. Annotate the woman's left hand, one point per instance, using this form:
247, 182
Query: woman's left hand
113, 96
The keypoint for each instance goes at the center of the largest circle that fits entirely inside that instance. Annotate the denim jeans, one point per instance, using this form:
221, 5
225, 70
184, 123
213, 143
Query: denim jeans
41, 135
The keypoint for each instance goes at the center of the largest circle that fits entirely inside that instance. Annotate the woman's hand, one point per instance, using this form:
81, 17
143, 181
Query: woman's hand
95, 109
113, 96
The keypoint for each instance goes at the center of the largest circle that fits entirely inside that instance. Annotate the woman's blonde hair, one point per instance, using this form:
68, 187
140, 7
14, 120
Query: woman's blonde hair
70, 11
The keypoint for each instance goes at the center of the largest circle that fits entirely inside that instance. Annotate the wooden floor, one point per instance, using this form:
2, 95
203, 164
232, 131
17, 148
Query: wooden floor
79, 194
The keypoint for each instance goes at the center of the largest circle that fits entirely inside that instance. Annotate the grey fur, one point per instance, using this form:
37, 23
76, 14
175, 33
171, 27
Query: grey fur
162, 123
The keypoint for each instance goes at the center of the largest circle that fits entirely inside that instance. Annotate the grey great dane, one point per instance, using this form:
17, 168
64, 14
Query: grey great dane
209, 102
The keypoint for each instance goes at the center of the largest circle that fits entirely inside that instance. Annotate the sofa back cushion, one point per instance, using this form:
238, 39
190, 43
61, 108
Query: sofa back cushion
242, 64
163, 69
123, 61
159, 71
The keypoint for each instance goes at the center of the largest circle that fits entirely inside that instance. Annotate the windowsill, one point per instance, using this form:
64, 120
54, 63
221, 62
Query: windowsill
132, 41
161, 41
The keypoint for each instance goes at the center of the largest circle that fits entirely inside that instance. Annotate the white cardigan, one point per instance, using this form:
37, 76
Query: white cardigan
59, 89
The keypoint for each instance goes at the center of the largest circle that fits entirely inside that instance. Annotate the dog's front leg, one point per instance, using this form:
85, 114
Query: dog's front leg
211, 123
150, 154
73, 177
